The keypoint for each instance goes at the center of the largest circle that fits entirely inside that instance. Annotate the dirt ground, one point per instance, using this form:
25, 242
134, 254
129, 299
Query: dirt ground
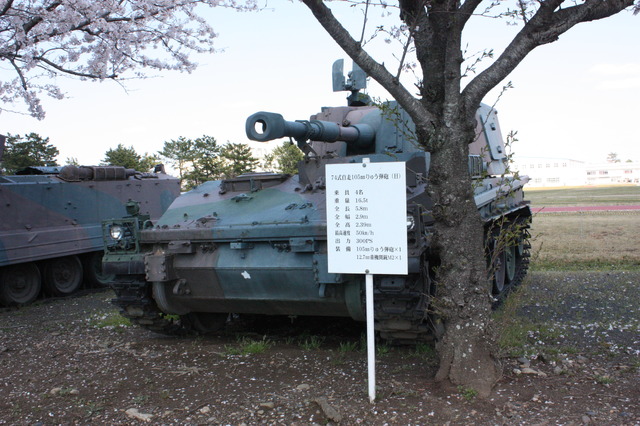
574, 358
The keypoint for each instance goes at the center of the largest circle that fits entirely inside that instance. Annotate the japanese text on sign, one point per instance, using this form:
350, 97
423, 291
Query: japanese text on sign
366, 218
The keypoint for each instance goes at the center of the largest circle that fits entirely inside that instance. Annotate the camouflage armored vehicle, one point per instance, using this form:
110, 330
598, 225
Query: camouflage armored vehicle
257, 243
51, 224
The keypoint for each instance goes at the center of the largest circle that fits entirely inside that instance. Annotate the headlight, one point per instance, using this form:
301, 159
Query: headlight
411, 223
116, 232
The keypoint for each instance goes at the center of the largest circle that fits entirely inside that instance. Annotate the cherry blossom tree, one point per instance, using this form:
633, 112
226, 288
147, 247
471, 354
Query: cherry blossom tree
97, 40
443, 109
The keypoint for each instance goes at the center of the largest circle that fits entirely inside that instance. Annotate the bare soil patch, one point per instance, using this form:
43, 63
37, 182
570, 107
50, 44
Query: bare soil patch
74, 361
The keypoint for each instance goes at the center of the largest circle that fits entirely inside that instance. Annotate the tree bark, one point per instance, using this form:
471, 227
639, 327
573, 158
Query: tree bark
467, 350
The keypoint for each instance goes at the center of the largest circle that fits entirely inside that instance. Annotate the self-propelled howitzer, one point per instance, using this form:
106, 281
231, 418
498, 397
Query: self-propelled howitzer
257, 243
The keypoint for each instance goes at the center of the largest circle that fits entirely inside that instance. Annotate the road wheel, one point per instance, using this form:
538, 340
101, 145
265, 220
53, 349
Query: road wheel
63, 276
19, 284
92, 265
498, 267
205, 322
510, 261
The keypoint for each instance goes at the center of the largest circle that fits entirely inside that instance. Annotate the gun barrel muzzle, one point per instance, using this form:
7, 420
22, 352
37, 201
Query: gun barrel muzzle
266, 126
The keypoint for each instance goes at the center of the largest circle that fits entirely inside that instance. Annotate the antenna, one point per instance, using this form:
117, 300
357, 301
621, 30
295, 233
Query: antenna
357, 79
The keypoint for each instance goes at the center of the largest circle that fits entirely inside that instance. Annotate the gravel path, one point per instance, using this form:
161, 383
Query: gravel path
574, 359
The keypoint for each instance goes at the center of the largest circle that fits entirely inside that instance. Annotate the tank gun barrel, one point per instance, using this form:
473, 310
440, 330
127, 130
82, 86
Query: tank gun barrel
266, 126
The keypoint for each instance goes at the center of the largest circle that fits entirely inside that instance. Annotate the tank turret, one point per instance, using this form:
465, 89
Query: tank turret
369, 130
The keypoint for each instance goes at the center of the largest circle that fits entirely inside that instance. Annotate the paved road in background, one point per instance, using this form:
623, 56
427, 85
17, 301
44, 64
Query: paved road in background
554, 209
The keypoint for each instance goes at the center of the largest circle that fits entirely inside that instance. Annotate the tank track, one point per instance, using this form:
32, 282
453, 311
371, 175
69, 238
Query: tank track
522, 265
136, 304
402, 310
400, 306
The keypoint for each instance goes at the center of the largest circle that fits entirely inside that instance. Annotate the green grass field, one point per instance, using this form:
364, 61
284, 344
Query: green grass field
586, 241
584, 196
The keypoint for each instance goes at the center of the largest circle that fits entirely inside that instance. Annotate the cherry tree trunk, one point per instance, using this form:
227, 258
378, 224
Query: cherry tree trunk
467, 350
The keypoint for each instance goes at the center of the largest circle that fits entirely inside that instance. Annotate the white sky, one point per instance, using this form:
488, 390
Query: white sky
577, 98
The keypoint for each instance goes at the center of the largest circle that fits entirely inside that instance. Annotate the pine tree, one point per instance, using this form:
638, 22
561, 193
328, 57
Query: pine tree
239, 159
284, 159
27, 150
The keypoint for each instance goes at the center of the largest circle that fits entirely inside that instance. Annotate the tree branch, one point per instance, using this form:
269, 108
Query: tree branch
545, 27
405, 49
81, 26
364, 23
341, 36
523, 10
6, 7
466, 11
23, 81
71, 72
35, 21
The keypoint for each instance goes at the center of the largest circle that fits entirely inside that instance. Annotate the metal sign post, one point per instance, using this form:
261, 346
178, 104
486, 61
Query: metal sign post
371, 338
366, 229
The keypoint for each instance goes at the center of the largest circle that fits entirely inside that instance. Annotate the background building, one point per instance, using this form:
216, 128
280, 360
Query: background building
552, 172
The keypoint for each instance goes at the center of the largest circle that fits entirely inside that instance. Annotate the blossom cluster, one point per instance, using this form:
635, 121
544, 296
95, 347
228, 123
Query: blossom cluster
98, 40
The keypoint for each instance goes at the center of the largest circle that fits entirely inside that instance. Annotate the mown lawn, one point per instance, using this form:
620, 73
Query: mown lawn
586, 241
585, 196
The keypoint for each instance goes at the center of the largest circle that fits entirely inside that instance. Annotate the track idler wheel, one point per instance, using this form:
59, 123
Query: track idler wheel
93, 270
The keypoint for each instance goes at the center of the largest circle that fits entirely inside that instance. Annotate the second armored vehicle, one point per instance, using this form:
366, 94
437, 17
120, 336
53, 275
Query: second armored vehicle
51, 224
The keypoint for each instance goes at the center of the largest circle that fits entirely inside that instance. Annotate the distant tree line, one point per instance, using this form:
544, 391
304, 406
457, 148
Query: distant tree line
196, 160
203, 159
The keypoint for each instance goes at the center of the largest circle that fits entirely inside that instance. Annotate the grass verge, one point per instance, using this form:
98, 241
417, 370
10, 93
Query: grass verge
584, 196
247, 346
110, 320
578, 242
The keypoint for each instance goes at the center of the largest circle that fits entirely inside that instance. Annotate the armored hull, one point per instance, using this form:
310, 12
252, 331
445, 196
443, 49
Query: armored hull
51, 227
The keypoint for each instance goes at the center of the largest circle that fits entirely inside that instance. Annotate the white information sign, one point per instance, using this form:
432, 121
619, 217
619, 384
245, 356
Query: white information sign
367, 218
